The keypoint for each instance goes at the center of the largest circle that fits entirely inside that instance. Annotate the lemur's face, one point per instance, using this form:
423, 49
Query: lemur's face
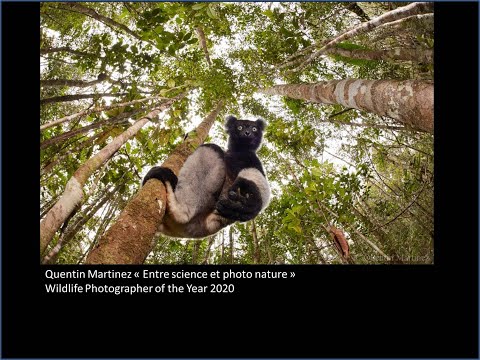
247, 129
246, 132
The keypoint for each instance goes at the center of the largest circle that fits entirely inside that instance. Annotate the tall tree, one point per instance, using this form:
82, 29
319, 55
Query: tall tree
410, 101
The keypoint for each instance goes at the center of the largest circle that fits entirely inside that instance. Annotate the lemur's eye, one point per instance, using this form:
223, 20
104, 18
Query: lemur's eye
254, 129
240, 127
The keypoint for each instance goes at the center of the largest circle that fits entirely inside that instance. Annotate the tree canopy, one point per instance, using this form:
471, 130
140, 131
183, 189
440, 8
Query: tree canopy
349, 185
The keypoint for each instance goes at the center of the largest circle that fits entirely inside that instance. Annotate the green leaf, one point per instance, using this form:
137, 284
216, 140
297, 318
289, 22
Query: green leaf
150, 144
212, 11
269, 14
199, 6
171, 83
317, 172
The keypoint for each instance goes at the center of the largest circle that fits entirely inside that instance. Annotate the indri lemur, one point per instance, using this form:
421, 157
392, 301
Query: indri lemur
216, 188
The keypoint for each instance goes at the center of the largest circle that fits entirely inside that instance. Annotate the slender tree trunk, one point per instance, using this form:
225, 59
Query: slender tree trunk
230, 237
67, 135
203, 44
66, 98
93, 14
47, 168
419, 55
73, 193
71, 231
209, 248
47, 206
196, 248
269, 251
399, 13
222, 259
106, 219
95, 110
409, 101
256, 248
128, 240
422, 19
378, 233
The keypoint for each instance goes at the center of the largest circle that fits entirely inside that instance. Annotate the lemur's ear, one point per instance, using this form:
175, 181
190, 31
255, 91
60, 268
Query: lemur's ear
230, 121
261, 124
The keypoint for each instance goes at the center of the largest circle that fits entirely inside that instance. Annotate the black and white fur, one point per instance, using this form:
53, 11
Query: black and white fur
216, 188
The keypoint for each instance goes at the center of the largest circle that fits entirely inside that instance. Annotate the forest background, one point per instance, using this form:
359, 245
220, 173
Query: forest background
351, 170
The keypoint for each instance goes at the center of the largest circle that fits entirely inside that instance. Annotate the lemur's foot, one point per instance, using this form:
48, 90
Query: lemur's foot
243, 203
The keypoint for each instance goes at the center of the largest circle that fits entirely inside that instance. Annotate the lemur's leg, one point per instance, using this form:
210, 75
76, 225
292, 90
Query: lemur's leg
249, 194
200, 182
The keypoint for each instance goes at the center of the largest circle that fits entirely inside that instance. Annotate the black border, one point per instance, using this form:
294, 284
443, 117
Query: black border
326, 311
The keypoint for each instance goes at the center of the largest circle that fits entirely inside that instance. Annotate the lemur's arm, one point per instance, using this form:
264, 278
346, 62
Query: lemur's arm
163, 174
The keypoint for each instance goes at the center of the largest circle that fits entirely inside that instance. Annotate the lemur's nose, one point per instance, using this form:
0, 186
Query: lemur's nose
247, 133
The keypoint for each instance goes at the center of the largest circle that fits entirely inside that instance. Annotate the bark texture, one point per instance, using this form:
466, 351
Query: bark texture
409, 101
422, 19
73, 193
129, 239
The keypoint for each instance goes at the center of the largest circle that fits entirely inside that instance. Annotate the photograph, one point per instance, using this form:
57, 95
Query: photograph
237, 133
